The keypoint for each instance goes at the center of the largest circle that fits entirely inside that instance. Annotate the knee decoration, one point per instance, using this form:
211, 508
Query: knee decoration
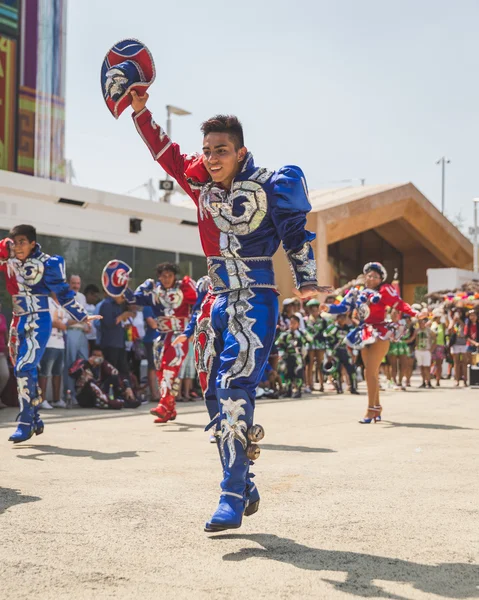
255, 434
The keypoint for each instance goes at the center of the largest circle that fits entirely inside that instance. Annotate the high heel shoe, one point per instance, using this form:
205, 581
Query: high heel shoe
379, 408
375, 417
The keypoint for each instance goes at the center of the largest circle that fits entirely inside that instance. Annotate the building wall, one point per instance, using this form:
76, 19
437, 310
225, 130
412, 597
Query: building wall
89, 236
32, 87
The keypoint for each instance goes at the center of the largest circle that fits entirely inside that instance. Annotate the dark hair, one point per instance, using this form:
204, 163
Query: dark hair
295, 318
225, 124
91, 288
27, 230
95, 348
166, 266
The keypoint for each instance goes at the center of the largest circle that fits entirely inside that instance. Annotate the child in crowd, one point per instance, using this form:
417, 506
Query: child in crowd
294, 344
335, 335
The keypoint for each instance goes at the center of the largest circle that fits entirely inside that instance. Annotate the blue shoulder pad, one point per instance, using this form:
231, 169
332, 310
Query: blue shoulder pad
56, 265
290, 189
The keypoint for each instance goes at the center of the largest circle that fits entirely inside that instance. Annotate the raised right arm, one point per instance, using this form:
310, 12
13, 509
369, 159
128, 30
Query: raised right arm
168, 154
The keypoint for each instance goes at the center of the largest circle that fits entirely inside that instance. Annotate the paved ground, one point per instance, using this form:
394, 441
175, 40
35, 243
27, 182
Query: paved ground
107, 505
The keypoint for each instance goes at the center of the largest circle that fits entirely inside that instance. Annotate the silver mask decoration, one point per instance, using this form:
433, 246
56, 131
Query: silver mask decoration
115, 84
232, 428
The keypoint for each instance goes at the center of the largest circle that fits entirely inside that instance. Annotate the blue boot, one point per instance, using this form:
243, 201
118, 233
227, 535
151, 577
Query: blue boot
37, 422
26, 426
236, 417
252, 495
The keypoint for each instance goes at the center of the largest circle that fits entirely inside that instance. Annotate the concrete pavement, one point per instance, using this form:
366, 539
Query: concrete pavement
108, 505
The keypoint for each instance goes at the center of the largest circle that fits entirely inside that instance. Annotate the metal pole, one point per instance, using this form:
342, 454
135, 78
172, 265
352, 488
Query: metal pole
166, 196
475, 234
443, 161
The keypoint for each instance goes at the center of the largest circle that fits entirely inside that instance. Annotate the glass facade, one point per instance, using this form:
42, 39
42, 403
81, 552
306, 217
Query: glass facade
349, 256
87, 259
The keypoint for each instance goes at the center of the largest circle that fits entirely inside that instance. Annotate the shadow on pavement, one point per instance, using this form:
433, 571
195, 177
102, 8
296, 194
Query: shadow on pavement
426, 426
10, 497
283, 448
56, 450
446, 580
183, 427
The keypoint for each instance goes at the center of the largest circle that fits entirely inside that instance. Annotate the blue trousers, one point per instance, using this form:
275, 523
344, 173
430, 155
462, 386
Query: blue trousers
28, 339
234, 336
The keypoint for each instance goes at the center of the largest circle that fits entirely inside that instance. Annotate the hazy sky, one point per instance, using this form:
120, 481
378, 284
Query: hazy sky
378, 89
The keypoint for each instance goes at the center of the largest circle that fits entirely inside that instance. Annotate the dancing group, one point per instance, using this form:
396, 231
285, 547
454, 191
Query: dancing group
244, 213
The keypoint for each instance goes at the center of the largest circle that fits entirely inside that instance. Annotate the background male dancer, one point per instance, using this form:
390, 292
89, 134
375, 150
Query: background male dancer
31, 275
244, 212
171, 300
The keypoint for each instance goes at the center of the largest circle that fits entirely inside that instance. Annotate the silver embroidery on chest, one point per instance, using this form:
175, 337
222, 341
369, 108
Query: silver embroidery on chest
251, 203
28, 273
241, 327
170, 299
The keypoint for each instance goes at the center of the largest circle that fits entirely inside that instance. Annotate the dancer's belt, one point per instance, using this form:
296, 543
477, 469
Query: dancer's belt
167, 324
25, 304
231, 274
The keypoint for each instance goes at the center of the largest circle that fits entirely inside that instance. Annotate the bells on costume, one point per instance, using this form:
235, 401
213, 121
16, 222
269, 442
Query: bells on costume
254, 434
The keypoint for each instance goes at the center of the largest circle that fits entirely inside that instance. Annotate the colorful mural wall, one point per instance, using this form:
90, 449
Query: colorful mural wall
32, 54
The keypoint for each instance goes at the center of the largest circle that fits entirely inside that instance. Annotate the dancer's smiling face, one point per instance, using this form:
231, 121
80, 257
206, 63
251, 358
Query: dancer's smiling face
221, 158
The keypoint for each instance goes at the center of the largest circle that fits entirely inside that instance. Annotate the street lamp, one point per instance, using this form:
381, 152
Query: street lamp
180, 112
443, 161
475, 200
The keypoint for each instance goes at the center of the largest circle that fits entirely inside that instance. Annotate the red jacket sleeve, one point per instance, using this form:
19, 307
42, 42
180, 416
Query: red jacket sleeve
390, 297
4, 253
188, 288
168, 154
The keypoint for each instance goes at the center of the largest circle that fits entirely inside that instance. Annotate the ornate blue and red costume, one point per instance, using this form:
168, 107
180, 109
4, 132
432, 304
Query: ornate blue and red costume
240, 230
172, 308
371, 306
30, 282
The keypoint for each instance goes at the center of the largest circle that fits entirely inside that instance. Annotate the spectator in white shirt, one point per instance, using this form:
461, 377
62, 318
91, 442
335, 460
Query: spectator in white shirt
92, 296
52, 362
76, 340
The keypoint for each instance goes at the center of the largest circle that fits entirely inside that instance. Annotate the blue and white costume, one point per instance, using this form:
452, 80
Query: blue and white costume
30, 282
240, 229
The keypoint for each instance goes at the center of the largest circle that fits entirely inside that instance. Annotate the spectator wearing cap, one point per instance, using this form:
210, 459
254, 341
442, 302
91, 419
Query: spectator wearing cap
458, 345
315, 326
425, 345
472, 336
299, 313
286, 313
439, 326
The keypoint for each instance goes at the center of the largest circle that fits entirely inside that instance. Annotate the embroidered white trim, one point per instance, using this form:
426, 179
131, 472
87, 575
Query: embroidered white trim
164, 150
232, 494
241, 327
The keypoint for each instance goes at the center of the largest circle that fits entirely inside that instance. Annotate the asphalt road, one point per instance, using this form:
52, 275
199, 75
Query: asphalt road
108, 505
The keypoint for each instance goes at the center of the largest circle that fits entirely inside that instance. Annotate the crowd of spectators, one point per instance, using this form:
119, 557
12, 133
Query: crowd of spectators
115, 355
